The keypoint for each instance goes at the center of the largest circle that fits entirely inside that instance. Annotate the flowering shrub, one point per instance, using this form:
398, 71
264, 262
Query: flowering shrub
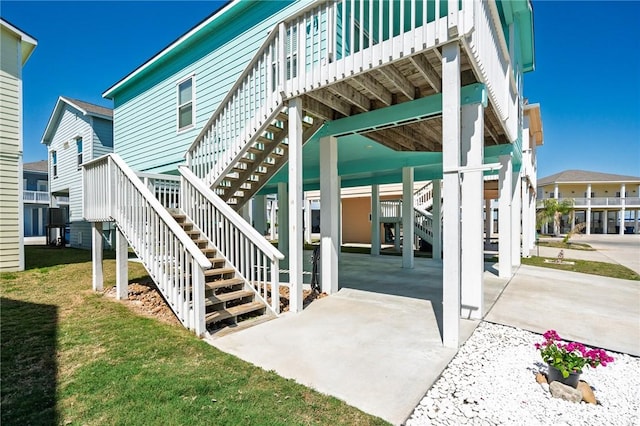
569, 357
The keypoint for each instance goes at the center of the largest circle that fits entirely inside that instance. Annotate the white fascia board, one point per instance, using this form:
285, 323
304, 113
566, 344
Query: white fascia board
46, 138
28, 43
108, 93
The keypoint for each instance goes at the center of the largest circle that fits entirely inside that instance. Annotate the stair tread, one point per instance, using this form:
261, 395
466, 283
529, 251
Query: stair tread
218, 271
225, 297
234, 311
223, 283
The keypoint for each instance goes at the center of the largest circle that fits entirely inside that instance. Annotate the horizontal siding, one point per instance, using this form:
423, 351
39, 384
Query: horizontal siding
9, 113
9, 213
102, 137
145, 126
71, 124
80, 235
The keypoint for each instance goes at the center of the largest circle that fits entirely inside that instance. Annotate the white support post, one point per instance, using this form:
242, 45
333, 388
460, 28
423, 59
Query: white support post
329, 214
296, 235
526, 226
472, 155
260, 214
436, 210
556, 193
451, 190
199, 310
487, 221
407, 218
588, 212
623, 195
605, 222
283, 222
122, 266
273, 219
516, 214
375, 220
96, 251
504, 217
307, 220
635, 220
396, 236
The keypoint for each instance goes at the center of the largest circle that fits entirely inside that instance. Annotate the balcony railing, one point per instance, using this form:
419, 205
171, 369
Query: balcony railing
600, 202
35, 197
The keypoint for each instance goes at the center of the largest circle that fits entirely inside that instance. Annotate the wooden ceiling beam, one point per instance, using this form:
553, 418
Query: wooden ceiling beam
331, 101
399, 80
317, 109
424, 67
375, 88
351, 95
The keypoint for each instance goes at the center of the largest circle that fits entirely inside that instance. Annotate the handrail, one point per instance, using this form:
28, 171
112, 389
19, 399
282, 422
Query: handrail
251, 256
227, 211
164, 215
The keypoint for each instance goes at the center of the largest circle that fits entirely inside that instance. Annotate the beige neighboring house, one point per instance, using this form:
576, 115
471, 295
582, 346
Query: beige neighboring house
16, 47
603, 201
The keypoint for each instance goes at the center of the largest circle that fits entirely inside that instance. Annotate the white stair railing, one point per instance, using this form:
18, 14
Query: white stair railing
249, 253
113, 192
423, 197
319, 45
423, 226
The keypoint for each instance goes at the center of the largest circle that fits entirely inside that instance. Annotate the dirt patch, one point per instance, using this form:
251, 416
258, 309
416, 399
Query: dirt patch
145, 299
308, 296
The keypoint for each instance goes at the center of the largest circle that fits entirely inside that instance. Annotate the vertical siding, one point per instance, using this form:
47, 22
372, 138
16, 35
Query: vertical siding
10, 147
145, 130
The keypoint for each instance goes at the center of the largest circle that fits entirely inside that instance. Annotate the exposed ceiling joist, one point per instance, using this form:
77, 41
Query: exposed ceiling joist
399, 80
376, 89
424, 67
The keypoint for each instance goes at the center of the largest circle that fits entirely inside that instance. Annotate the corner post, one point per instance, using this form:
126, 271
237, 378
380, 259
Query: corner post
451, 191
122, 266
96, 252
407, 218
329, 214
296, 235
504, 217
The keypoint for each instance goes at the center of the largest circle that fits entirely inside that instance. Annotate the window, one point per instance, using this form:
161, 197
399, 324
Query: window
185, 104
54, 162
79, 146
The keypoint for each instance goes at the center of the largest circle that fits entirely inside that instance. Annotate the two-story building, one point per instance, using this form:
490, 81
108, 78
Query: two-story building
286, 97
16, 47
76, 132
606, 203
35, 201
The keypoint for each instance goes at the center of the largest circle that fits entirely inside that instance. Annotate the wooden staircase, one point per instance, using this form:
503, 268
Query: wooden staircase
267, 154
228, 300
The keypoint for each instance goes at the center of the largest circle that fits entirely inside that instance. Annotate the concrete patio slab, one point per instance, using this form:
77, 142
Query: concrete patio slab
597, 311
376, 344
622, 249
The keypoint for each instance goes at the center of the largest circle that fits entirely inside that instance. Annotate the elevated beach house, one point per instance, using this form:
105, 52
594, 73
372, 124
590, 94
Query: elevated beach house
295, 96
16, 47
77, 132
606, 203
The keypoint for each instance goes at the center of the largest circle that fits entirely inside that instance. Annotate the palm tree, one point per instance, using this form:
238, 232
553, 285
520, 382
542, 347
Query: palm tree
552, 211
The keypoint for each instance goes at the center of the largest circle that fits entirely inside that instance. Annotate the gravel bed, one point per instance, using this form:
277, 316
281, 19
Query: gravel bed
491, 382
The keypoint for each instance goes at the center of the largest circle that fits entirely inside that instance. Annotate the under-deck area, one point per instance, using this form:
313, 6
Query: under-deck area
380, 334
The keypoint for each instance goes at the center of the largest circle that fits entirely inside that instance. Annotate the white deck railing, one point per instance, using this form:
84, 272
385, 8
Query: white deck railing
166, 188
599, 202
423, 197
320, 45
423, 224
113, 192
35, 196
249, 253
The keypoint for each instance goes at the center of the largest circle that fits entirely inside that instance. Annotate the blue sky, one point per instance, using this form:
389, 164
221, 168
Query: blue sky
587, 77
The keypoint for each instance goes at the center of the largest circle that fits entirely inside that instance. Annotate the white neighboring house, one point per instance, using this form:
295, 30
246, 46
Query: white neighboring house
76, 132
16, 47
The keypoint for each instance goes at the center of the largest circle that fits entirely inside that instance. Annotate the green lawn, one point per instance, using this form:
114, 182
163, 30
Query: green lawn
71, 356
563, 245
586, 267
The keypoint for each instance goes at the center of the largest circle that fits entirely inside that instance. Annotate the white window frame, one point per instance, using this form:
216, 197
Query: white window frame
179, 129
54, 163
79, 155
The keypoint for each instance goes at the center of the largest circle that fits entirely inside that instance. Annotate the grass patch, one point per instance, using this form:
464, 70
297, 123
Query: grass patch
604, 269
71, 356
569, 245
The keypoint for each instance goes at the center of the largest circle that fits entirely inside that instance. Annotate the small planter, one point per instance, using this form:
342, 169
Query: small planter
555, 375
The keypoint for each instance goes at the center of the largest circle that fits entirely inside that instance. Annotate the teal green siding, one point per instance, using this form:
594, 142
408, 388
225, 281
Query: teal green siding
145, 121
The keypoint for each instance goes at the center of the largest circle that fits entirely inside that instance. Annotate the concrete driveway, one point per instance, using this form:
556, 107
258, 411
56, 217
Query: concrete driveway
622, 249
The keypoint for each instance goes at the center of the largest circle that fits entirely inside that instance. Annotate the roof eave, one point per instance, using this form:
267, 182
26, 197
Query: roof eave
109, 93
28, 43
47, 137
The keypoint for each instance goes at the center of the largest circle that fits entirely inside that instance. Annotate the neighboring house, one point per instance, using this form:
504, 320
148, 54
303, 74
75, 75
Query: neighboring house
288, 97
603, 201
16, 47
76, 132
35, 200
